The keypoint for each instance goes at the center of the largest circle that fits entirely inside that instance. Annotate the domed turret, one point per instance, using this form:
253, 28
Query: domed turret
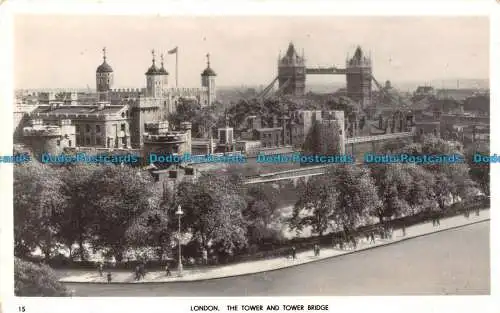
162, 69
104, 67
155, 79
208, 71
104, 79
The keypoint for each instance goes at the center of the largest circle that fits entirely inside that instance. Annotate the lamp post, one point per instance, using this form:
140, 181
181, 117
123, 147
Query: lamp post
179, 213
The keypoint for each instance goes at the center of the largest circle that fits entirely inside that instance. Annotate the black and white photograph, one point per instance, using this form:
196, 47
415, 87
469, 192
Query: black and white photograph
234, 156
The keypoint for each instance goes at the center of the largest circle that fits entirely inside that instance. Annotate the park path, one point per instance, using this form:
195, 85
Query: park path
256, 266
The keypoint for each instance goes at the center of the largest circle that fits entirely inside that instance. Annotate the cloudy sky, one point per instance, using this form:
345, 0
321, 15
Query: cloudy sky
64, 51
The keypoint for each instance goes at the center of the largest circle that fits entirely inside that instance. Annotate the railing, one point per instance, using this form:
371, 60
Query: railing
325, 70
379, 137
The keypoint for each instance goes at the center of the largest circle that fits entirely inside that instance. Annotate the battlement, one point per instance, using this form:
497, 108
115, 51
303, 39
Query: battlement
184, 90
127, 90
170, 137
42, 131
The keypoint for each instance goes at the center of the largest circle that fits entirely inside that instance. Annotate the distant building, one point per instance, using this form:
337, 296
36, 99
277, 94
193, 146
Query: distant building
424, 91
170, 142
49, 138
292, 73
359, 78
102, 125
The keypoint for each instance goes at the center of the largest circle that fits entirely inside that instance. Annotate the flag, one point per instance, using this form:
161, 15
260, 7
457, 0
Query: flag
174, 50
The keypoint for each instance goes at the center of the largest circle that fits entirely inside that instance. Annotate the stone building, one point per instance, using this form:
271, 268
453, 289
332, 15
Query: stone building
102, 125
292, 73
49, 138
359, 78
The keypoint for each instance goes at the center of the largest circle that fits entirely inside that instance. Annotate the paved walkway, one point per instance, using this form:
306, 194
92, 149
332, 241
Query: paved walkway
250, 267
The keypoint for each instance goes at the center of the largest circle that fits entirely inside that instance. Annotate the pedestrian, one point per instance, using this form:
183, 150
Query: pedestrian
477, 211
109, 277
438, 223
137, 272
167, 270
100, 268
142, 269
205, 257
403, 230
318, 248
294, 253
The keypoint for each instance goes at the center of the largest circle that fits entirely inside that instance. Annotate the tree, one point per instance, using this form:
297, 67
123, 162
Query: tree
356, 195
260, 212
315, 206
479, 171
75, 219
421, 192
213, 212
394, 185
120, 195
37, 200
186, 110
31, 280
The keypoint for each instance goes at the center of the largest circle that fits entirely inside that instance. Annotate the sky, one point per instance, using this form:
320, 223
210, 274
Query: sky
61, 51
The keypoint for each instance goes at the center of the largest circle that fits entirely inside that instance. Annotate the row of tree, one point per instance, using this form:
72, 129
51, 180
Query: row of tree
114, 209
349, 196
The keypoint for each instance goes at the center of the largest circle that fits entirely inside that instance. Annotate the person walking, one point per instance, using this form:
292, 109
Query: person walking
205, 257
109, 277
372, 237
167, 270
294, 253
100, 268
137, 272
403, 230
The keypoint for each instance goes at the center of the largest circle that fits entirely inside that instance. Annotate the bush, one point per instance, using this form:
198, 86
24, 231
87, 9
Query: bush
33, 280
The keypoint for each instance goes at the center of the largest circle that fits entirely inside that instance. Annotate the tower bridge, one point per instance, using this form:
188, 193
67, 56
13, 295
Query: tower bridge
292, 72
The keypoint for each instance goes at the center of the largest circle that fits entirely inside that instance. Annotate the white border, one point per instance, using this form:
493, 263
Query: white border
455, 304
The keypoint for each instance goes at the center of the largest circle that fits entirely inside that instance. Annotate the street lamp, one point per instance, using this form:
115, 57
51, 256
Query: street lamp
179, 213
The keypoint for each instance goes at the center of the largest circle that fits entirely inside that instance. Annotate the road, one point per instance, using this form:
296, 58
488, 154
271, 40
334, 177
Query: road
451, 262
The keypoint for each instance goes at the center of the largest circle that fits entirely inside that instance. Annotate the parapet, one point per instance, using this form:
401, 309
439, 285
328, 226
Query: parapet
42, 131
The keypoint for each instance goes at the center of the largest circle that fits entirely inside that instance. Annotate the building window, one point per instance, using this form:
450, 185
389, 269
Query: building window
58, 142
87, 141
98, 141
77, 129
69, 143
87, 128
123, 127
123, 114
97, 129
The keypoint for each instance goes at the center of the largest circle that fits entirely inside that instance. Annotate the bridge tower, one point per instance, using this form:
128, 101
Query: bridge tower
359, 78
292, 73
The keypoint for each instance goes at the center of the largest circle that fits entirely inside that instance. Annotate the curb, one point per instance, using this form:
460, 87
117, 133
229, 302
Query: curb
284, 267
